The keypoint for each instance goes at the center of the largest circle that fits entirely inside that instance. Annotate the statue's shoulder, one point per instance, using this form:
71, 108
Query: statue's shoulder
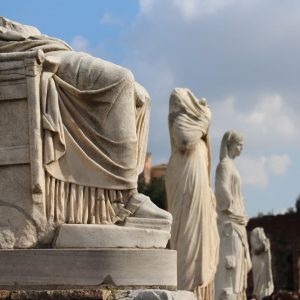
224, 163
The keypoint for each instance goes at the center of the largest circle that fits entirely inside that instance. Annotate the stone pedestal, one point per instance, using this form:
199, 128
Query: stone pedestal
103, 294
148, 223
21, 164
87, 268
109, 236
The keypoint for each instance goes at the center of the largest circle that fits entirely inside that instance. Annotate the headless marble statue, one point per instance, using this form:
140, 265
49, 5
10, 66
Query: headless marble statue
235, 263
194, 231
94, 118
261, 264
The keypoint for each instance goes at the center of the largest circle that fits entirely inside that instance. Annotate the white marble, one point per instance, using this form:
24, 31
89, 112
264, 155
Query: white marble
158, 295
73, 138
87, 268
148, 223
235, 262
102, 293
21, 168
194, 232
17, 231
109, 236
261, 264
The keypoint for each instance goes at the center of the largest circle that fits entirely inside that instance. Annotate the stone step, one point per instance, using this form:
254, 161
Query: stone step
109, 236
87, 268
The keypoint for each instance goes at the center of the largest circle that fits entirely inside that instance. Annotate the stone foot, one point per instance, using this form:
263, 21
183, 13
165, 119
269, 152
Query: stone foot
141, 206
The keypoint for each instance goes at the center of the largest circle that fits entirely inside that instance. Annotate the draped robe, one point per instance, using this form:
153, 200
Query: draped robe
261, 264
235, 262
194, 231
95, 127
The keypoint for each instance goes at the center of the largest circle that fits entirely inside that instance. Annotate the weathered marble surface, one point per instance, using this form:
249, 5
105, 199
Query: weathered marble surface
104, 294
87, 268
235, 262
22, 199
148, 223
261, 264
109, 236
158, 295
73, 139
191, 201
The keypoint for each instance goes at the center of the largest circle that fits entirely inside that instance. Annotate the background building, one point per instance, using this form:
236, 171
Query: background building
284, 234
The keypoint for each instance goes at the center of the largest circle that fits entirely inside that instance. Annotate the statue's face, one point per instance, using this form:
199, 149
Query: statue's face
235, 148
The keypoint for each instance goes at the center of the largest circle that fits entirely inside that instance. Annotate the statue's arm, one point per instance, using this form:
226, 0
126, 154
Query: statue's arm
225, 197
223, 183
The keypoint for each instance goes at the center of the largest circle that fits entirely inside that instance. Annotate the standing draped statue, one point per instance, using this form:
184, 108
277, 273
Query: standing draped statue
190, 199
95, 119
261, 264
235, 263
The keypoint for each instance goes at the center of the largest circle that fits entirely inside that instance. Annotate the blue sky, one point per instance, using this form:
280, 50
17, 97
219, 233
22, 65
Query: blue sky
243, 56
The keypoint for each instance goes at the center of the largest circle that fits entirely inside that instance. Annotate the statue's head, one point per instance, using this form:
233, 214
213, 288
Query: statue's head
231, 145
258, 240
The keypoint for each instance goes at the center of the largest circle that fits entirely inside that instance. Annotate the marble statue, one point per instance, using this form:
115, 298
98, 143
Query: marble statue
235, 263
92, 118
194, 232
261, 264
298, 267
73, 139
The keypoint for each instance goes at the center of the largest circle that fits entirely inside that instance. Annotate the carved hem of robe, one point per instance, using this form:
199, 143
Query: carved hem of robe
76, 204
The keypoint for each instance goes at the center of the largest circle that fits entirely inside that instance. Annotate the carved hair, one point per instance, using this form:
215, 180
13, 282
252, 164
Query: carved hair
228, 139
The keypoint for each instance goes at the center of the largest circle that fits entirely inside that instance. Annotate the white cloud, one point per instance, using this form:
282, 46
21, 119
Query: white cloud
253, 171
250, 84
188, 9
195, 8
269, 124
110, 19
278, 164
243, 57
146, 6
274, 118
79, 43
257, 171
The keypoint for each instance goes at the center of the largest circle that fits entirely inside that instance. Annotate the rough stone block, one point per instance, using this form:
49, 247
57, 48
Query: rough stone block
87, 268
109, 236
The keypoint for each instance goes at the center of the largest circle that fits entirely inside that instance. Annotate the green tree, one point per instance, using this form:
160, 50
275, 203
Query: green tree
297, 205
155, 190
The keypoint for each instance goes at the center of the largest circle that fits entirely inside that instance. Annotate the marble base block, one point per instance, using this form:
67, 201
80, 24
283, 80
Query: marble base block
159, 224
87, 268
109, 236
158, 295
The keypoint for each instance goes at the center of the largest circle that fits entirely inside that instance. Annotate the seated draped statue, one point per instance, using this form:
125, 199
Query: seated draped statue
261, 264
95, 120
